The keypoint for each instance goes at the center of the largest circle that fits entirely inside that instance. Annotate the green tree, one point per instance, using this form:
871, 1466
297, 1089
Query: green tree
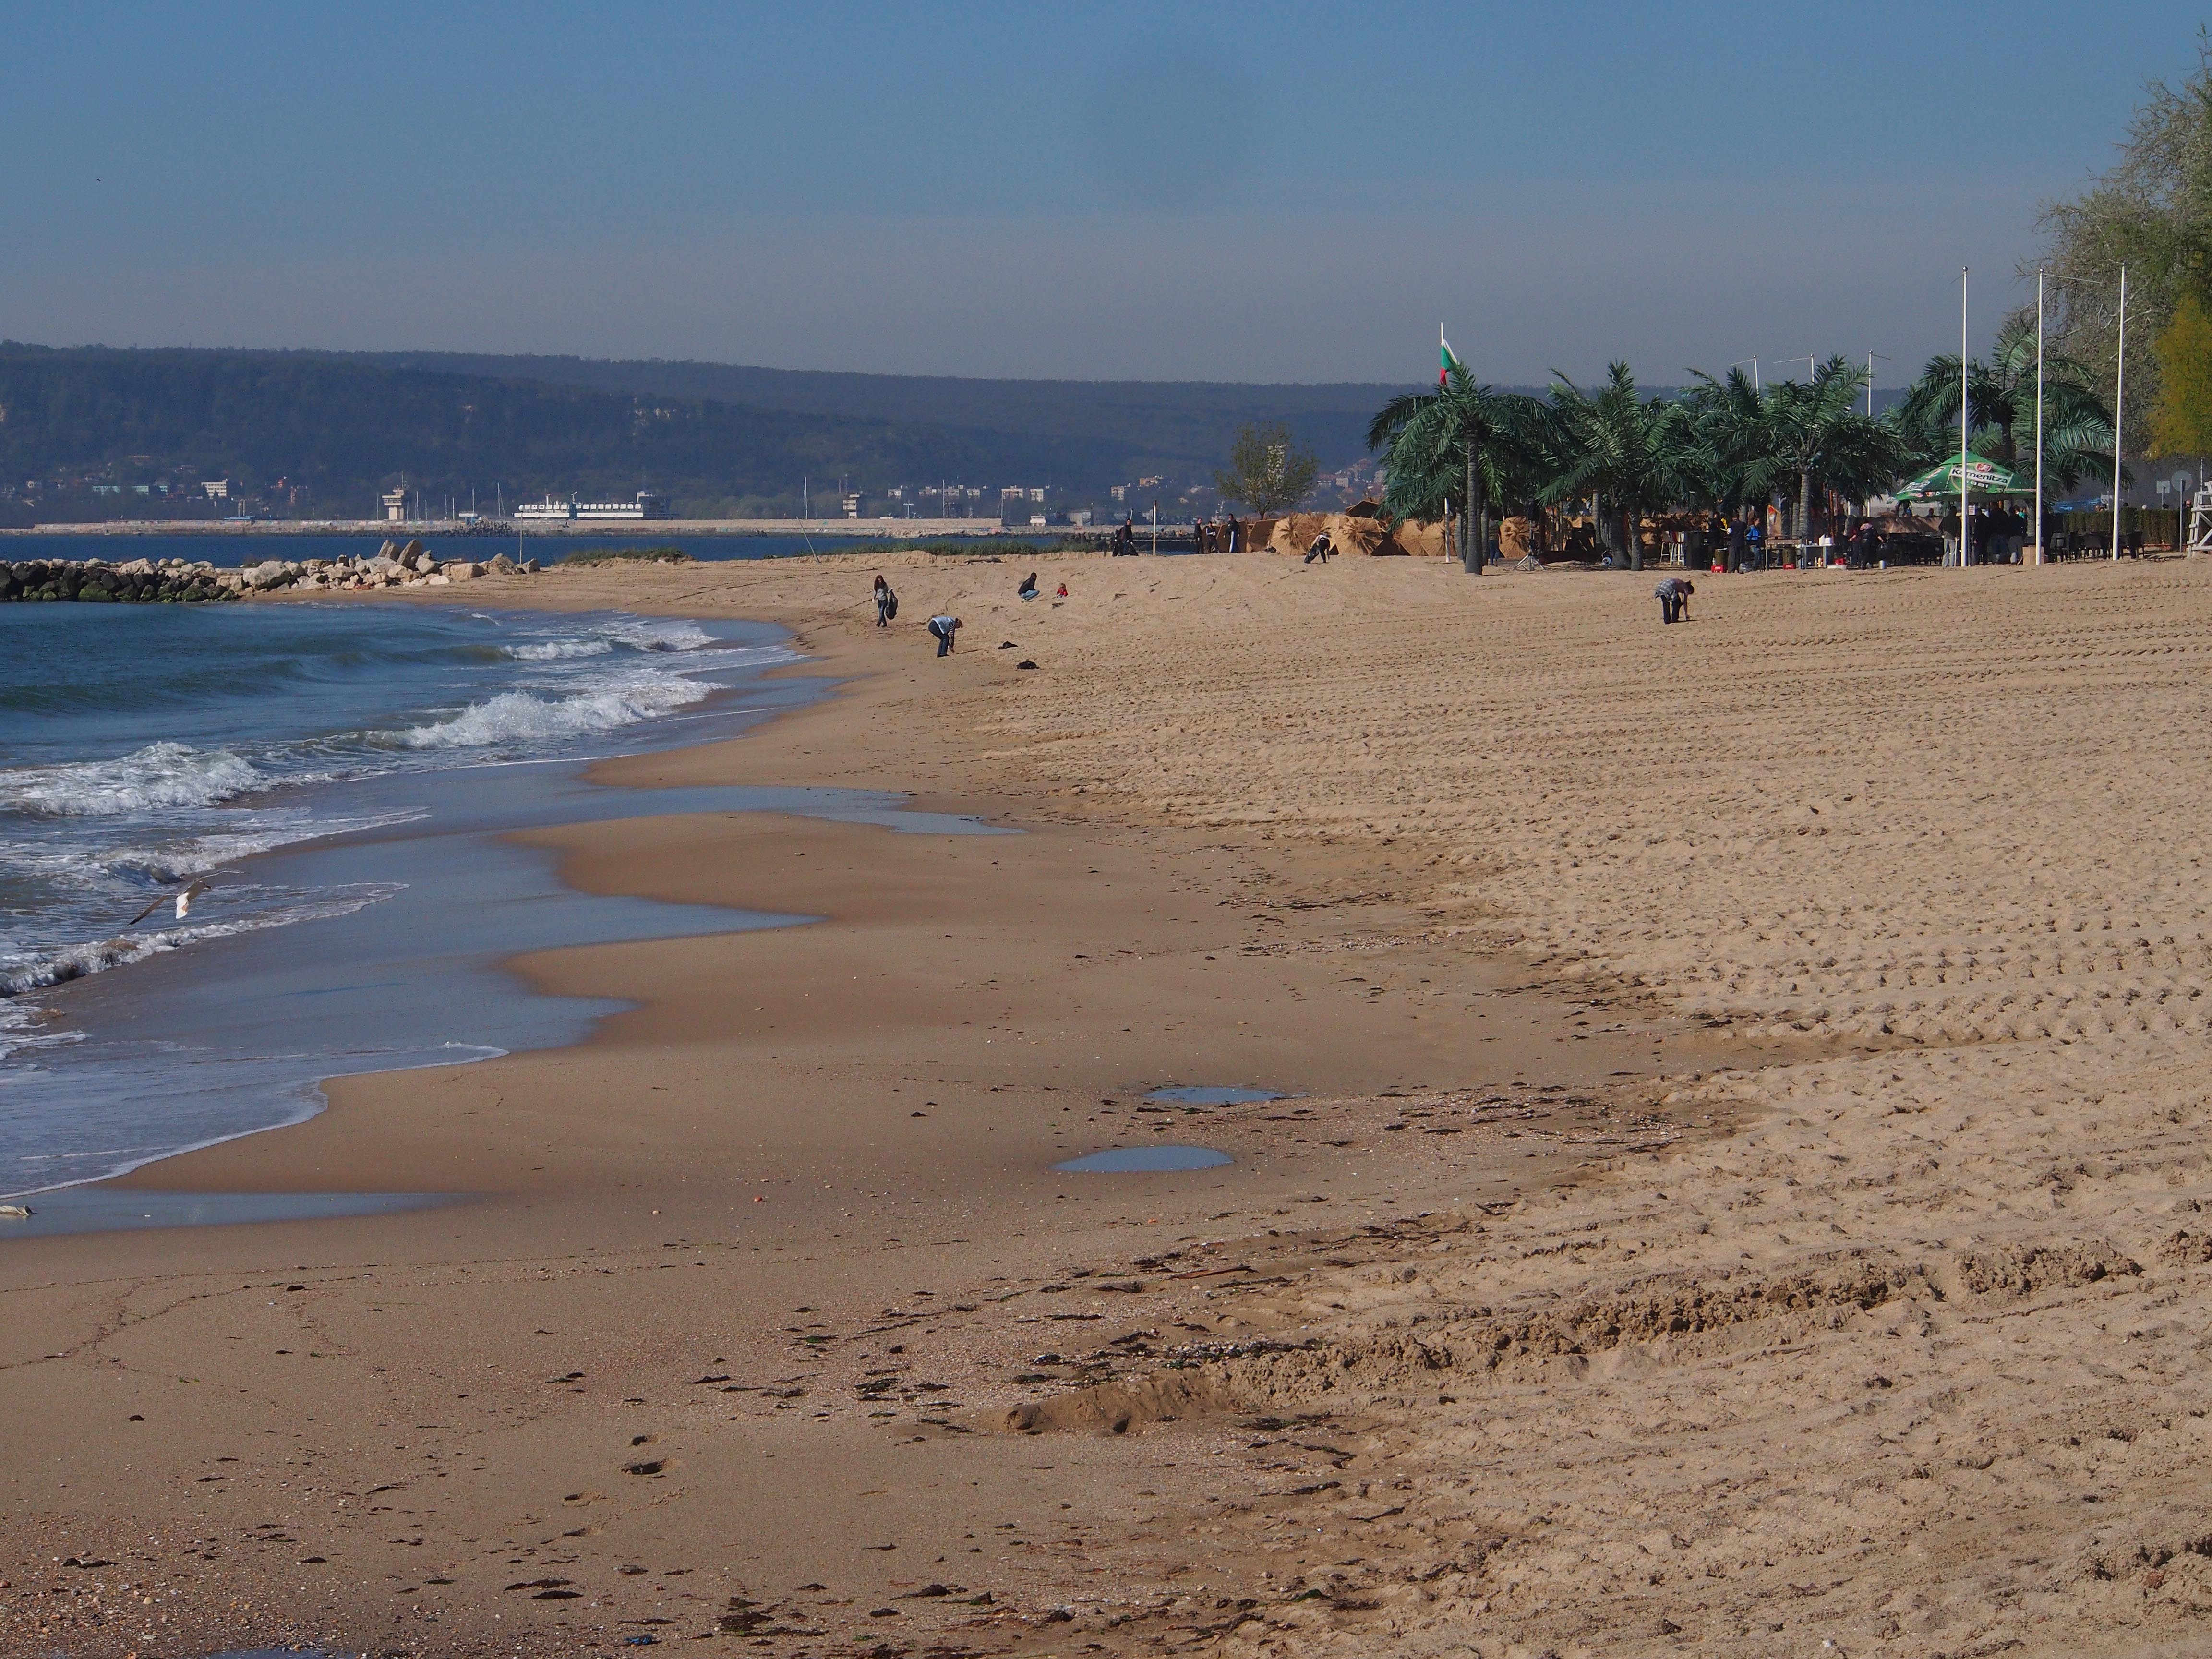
2077, 422
1729, 416
1815, 431
1463, 444
1630, 453
1805, 437
1267, 471
2181, 420
2153, 212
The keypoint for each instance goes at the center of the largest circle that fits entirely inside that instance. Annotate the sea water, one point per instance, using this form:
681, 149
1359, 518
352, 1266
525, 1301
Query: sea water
341, 777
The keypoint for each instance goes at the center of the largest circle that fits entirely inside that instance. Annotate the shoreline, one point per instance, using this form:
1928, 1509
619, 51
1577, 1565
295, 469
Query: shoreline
1666, 1220
1036, 900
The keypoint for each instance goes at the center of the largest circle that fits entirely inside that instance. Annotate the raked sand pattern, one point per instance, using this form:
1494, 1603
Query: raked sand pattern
1911, 1364
1914, 1363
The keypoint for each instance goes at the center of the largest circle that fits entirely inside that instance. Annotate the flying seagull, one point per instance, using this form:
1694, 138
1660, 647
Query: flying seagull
184, 903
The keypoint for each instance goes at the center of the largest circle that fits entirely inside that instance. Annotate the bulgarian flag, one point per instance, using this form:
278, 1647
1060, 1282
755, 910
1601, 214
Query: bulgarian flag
1447, 359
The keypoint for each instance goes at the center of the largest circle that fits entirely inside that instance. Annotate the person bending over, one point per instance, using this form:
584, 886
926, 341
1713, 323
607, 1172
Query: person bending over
1674, 597
1028, 590
942, 628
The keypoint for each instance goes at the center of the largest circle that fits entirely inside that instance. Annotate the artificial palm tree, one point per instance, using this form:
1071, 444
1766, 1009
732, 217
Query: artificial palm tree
1814, 430
1463, 443
1619, 446
1730, 418
2077, 424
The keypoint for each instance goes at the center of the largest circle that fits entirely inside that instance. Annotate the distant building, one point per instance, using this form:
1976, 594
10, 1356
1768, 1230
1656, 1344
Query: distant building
395, 505
647, 506
218, 489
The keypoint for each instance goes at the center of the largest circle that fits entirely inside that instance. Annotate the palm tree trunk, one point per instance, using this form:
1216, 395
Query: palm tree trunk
1470, 524
1628, 536
1804, 510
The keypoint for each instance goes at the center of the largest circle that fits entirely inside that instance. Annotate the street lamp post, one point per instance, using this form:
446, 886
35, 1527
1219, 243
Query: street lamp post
2039, 417
2119, 411
1966, 520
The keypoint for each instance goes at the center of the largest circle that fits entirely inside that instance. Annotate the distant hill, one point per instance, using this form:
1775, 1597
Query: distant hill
82, 426
1181, 426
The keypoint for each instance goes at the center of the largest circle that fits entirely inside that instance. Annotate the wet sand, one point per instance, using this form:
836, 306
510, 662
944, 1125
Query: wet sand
1738, 1195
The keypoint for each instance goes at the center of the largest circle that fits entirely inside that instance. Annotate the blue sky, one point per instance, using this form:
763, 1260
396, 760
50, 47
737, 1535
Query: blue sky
1288, 192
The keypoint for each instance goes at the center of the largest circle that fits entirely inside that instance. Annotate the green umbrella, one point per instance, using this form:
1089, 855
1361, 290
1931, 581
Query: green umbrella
1983, 478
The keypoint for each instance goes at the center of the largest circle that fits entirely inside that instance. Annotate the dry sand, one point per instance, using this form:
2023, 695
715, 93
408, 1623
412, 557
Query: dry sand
1745, 1195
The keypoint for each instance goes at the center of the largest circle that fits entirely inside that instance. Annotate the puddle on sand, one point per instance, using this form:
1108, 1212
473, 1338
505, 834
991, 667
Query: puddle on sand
1143, 1160
116, 1209
1194, 1095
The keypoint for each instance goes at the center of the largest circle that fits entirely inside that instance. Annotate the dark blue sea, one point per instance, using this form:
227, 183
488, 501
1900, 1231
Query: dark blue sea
341, 777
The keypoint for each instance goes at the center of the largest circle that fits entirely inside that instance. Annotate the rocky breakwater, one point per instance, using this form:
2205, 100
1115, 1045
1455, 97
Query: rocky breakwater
177, 581
393, 566
164, 582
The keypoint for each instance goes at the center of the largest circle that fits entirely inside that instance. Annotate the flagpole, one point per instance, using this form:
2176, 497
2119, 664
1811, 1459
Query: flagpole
2039, 417
2119, 410
1966, 523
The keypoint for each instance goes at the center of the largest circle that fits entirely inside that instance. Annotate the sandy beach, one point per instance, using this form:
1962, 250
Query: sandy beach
1735, 1190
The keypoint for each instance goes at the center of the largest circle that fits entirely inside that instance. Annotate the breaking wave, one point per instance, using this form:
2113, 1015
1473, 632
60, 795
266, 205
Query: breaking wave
519, 719
161, 775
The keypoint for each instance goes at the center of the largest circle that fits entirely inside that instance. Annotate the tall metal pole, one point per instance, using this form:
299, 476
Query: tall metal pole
2039, 417
1870, 385
2119, 411
1966, 522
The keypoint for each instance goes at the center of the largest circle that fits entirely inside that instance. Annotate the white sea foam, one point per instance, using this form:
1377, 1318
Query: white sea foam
161, 775
97, 955
656, 633
517, 717
557, 650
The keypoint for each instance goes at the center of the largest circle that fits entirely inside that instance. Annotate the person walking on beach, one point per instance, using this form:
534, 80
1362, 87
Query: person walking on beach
1674, 597
886, 603
942, 628
1322, 548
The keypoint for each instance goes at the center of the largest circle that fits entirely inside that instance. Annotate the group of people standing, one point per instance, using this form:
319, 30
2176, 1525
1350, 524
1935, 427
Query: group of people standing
1227, 537
1992, 535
